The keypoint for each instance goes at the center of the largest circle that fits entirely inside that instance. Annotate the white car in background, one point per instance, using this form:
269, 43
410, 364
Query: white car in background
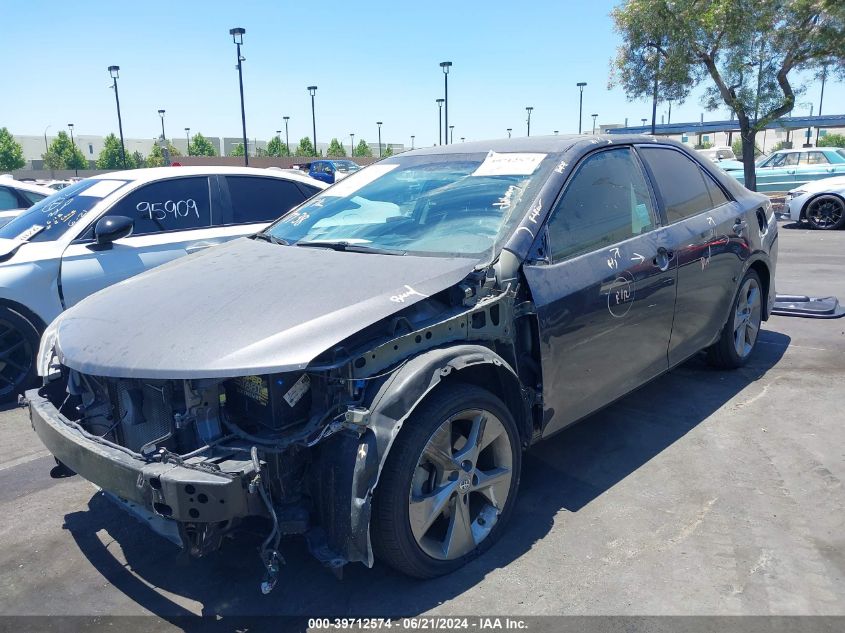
17, 196
104, 229
820, 203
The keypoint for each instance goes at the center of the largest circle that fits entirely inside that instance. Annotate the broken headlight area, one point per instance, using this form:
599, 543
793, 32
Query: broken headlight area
208, 453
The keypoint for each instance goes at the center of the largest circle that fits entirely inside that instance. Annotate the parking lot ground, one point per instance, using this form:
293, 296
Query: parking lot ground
706, 492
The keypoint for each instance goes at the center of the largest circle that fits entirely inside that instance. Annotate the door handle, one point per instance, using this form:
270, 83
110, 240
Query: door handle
663, 258
739, 227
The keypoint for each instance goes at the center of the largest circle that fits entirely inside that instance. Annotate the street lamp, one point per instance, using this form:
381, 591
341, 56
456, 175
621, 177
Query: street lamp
529, 109
312, 90
556, 131
114, 71
46, 147
451, 134
580, 85
352, 144
446, 66
379, 123
161, 115
188, 141
72, 142
287, 145
510, 129
594, 122
643, 120
237, 34
440, 121
279, 134
463, 138
412, 141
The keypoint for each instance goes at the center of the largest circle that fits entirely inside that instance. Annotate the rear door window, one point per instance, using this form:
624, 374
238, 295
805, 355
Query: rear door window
680, 181
607, 201
176, 204
256, 199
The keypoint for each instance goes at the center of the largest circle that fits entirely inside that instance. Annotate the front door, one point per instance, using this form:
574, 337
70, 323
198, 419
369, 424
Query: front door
605, 301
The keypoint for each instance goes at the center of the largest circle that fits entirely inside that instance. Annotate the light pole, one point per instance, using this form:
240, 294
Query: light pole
188, 141
529, 109
279, 134
510, 129
440, 121
556, 131
351, 144
312, 90
809, 131
446, 66
412, 141
379, 123
580, 85
237, 34
114, 71
72, 142
451, 134
287, 145
161, 115
595, 116
643, 120
463, 138
46, 147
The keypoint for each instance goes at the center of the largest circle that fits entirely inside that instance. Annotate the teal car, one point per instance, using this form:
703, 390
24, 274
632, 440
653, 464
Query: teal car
786, 169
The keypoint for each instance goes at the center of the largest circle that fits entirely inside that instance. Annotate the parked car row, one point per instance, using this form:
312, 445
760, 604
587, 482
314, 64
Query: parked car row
784, 169
17, 196
368, 369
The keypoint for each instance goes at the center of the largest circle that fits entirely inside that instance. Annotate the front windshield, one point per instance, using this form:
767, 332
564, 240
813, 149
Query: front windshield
346, 166
49, 219
461, 205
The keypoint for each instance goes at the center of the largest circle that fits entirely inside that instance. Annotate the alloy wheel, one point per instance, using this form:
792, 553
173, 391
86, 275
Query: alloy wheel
825, 212
460, 484
747, 317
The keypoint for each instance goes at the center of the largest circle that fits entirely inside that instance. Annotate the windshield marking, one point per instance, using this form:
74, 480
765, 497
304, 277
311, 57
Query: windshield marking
400, 298
511, 164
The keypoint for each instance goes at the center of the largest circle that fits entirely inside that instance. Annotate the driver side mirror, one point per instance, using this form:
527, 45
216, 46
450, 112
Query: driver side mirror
109, 229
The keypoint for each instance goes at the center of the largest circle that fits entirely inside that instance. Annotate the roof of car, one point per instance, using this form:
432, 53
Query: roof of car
159, 173
9, 181
546, 144
805, 149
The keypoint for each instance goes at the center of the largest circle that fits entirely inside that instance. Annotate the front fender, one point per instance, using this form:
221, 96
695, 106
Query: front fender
356, 463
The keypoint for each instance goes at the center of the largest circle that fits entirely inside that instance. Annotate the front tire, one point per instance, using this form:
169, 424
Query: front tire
18, 347
738, 340
449, 484
825, 213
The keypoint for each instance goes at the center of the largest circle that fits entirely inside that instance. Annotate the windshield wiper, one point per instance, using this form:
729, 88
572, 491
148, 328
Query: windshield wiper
266, 237
350, 247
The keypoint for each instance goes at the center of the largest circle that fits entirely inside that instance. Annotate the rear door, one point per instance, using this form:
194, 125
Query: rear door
172, 218
605, 299
709, 236
251, 202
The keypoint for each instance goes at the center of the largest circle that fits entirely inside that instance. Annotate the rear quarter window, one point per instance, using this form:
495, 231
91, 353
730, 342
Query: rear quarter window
681, 182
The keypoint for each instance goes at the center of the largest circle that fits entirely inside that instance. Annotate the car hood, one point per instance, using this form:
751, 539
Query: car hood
826, 184
247, 307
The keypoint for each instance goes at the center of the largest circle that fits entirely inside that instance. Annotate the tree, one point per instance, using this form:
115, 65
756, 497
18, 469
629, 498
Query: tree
63, 154
11, 152
277, 147
156, 156
305, 147
388, 151
201, 146
335, 149
832, 140
362, 149
111, 156
237, 150
261, 152
745, 51
138, 159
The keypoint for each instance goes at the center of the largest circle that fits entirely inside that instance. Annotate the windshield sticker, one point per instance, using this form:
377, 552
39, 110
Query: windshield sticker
497, 164
26, 235
102, 188
357, 180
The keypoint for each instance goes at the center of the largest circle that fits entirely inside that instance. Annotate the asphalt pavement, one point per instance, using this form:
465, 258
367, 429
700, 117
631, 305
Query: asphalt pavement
706, 492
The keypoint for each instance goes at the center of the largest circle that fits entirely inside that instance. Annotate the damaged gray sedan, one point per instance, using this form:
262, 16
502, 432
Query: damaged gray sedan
369, 369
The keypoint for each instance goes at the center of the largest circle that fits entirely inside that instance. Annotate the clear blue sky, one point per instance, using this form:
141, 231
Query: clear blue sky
372, 60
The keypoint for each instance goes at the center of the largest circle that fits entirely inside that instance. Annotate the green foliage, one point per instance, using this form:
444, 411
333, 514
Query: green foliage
277, 147
63, 154
305, 147
335, 149
156, 156
138, 159
778, 146
237, 150
704, 145
11, 152
362, 149
201, 146
736, 146
111, 157
388, 151
746, 53
832, 140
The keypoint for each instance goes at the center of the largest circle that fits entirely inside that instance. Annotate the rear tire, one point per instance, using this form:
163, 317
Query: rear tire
738, 340
825, 212
18, 348
449, 484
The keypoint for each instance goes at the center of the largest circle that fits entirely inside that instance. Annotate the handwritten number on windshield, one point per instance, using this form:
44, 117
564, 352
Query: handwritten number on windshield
158, 211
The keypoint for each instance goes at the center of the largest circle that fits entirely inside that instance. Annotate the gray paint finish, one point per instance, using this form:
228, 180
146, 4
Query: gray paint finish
247, 307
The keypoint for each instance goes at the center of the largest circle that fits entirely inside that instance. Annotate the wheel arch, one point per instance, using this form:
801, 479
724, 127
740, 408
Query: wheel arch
803, 214
763, 271
36, 321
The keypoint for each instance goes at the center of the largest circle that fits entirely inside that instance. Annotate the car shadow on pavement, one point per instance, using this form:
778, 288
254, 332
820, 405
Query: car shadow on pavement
560, 476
